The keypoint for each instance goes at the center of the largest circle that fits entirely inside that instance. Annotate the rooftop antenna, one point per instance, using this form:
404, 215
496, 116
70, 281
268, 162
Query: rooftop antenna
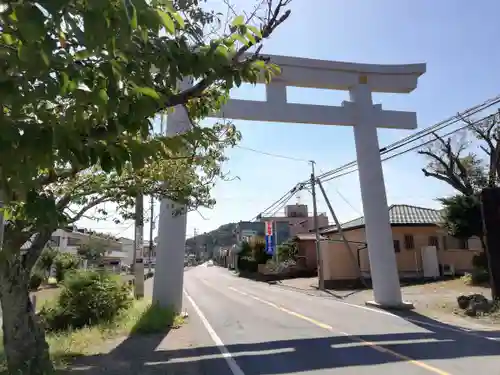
299, 198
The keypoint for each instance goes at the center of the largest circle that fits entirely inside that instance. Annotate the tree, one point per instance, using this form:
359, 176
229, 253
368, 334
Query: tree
80, 85
467, 170
462, 216
92, 251
46, 259
288, 250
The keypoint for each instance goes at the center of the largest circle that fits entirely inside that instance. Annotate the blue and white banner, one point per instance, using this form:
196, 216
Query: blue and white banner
269, 238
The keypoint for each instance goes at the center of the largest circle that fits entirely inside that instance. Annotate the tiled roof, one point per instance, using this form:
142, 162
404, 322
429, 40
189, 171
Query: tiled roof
399, 214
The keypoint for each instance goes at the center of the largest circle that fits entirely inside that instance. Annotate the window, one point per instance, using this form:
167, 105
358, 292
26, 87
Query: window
434, 241
463, 244
55, 241
445, 243
409, 242
73, 241
397, 246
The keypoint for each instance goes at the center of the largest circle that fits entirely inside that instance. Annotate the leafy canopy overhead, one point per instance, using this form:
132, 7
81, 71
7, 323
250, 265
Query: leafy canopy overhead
81, 82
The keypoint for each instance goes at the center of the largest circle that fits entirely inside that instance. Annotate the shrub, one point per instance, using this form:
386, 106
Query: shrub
246, 249
480, 261
259, 252
47, 259
477, 277
281, 266
149, 275
36, 278
288, 251
87, 298
480, 276
247, 264
63, 263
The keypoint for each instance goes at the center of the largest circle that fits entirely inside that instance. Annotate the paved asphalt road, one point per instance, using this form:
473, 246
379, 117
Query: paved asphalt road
264, 329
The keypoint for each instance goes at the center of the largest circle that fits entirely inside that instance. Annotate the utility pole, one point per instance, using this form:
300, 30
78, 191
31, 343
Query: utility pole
321, 280
196, 250
2, 224
139, 246
151, 227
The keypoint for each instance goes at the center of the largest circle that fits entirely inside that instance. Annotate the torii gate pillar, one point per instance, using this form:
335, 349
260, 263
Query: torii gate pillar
361, 80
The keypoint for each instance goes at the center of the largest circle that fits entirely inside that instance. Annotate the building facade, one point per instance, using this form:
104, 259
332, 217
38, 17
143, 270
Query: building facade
422, 247
69, 240
298, 219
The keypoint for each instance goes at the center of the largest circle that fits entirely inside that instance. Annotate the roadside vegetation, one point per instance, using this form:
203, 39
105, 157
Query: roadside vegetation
84, 88
91, 308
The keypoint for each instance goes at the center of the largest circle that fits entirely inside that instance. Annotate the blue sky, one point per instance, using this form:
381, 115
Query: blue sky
452, 37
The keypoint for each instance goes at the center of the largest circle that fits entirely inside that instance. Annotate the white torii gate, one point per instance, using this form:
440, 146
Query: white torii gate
360, 113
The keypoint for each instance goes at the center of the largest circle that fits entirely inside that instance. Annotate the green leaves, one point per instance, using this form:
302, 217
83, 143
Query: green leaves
80, 84
30, 21
167, 21
238, 21
146, 91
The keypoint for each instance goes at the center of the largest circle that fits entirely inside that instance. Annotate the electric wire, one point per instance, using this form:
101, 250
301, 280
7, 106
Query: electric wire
336, 173
272, 154
416, 147
422, 133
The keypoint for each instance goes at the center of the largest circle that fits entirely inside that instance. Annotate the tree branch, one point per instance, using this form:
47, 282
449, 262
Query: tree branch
197, 90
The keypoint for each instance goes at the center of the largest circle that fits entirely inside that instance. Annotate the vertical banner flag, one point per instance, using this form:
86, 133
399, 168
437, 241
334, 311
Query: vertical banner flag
269, 237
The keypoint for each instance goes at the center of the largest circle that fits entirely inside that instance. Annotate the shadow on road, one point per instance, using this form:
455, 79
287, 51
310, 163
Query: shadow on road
137, 354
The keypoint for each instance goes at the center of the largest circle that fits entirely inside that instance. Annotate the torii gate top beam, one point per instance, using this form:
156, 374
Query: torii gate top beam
302, 72
337, 75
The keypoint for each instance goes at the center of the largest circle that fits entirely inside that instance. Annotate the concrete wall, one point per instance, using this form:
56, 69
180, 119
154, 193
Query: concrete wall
341, 264
307, 254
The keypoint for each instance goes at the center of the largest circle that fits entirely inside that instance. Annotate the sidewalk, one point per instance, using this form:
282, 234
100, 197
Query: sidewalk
175, 353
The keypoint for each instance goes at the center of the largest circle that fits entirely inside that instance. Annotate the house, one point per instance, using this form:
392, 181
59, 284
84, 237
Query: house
70, 239
422, 247
307, 256
128, 247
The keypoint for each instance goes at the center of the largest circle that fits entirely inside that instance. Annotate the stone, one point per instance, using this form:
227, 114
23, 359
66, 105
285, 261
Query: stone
471, 311
474, 304
463, 302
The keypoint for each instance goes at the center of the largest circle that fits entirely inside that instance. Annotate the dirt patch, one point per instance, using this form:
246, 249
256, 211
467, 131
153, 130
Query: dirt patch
437, 300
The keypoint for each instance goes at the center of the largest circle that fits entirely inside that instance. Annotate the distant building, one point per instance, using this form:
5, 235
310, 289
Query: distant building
128, 247
298, 219
70, 239
248, 229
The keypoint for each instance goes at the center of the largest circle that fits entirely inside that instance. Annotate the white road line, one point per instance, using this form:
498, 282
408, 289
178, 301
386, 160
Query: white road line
233, 366
443, 326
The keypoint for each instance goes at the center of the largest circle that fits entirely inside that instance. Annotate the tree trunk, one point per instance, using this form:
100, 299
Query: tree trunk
26, 350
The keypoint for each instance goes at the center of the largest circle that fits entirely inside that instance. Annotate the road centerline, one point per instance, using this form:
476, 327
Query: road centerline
353, 338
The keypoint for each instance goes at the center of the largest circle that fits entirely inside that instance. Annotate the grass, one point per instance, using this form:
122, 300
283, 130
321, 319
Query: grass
141, 318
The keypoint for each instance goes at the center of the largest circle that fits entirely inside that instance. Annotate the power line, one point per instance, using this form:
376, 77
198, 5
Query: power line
412, 148
272, 154
398, 144
421, 134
